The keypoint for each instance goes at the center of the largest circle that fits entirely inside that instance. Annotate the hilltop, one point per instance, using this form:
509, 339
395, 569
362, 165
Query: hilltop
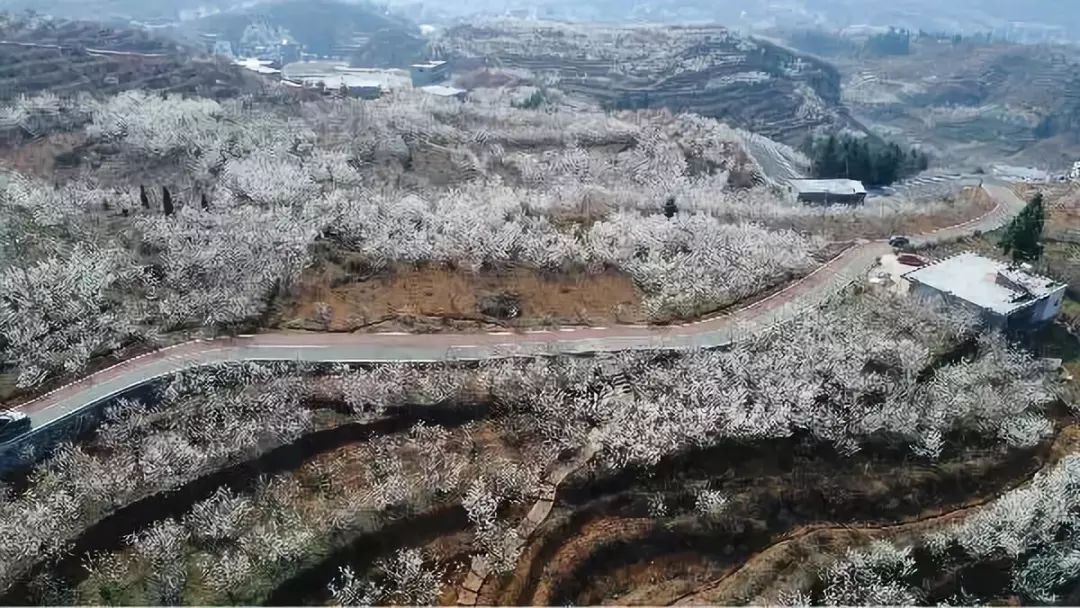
371, 35
65, 57
708, 70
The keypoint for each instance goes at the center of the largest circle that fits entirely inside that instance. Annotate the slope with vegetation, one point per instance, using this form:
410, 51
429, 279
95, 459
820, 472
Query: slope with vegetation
322, 27
517, 480
260, 191
711, 71
364, 515
64, 57
865, 159
965, 100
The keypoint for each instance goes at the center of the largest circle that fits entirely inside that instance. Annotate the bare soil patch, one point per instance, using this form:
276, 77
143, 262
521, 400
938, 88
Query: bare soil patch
329, 298
49, 157
1063, 207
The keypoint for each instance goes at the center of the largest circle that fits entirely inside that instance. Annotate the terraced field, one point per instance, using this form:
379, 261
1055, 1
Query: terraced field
973, 103
711, 71
67, 57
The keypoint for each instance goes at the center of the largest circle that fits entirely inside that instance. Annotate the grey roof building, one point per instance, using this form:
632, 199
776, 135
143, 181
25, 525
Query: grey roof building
829, 191
1004, 296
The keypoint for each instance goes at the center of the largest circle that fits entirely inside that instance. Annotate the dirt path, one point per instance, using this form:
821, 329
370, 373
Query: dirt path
480, 571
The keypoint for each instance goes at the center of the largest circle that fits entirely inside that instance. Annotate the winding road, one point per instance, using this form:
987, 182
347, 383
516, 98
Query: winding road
722, 330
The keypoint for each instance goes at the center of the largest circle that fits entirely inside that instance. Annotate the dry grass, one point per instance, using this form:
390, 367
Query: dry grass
435, 298
1063, 205
39, 157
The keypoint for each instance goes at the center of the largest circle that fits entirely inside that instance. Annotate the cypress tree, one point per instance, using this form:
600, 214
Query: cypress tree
670, 208
1022, 236
145, 200
166, 201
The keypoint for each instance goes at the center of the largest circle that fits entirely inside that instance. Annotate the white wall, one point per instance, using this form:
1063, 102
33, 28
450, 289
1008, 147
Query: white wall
1051, 306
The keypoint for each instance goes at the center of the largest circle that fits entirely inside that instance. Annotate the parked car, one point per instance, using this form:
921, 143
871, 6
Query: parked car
899, 242
910, 259
13, 424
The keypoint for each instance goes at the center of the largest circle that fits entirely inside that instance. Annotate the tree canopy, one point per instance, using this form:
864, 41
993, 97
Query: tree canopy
893, 42
1022, 236
873, 162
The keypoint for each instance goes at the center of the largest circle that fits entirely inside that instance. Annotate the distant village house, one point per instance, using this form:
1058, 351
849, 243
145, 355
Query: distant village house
432, 72
829, 191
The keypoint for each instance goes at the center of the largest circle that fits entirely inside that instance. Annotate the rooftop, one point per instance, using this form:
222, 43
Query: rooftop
430, 65
354, 78
828, 186
303, 69
442, 91
987, 283
257, 65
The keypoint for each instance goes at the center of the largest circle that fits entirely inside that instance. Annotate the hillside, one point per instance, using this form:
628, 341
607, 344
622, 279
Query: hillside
511, 347
323, 27
707, 70
1035, 21
973, 103
67, 57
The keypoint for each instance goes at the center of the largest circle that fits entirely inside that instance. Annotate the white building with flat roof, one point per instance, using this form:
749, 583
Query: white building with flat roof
428, 73
367, 83
1005, 297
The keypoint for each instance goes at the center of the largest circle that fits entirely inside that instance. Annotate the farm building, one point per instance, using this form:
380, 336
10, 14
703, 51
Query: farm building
432, 72
1004, 296
829, 191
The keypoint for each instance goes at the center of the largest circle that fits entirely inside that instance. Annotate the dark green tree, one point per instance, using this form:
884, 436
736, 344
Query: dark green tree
166, 201
1022, 236
893, 42
670, 208
828, 161
143, 198
869, 160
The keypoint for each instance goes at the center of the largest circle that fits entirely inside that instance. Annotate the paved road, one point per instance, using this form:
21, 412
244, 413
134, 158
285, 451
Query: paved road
847, 267
88, 51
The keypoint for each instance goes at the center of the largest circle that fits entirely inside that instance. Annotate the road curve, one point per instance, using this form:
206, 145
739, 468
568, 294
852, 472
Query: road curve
393, 347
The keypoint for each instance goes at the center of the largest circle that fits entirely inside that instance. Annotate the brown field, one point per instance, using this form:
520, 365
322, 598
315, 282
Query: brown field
1063, 205
43, 157
438, 299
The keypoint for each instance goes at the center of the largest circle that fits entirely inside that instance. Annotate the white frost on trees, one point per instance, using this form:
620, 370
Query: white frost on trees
401, 180
57, 313
405, 580
874, 576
